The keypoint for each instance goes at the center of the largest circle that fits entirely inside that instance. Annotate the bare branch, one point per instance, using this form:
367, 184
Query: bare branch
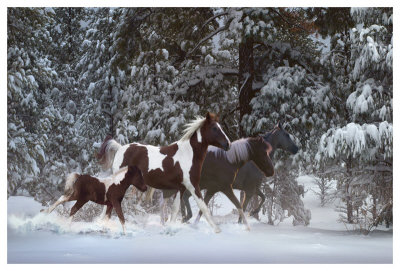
209, 36
288, 22
212, 18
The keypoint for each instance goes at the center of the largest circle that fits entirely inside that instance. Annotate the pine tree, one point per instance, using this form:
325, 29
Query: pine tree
30, 76
361, 140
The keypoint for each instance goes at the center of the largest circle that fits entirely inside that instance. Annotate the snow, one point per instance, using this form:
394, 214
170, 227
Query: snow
34, 237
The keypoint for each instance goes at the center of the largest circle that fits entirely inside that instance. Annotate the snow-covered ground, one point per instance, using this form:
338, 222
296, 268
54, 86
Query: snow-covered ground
34, 237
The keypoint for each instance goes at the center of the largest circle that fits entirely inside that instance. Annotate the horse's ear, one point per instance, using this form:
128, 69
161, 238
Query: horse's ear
208, 116
211, 116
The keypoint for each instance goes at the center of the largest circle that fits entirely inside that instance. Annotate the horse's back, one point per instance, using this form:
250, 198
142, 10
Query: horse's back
216, 172
90, 188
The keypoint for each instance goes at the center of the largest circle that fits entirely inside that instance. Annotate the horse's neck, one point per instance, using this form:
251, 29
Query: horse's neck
125, 184
199, 148
269, 139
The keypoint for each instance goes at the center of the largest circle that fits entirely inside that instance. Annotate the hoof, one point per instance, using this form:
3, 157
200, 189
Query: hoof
217, 230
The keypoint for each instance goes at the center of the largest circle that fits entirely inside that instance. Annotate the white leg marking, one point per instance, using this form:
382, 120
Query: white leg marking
175, 207
103, 213
202, 205
123, 227
163, 203
58, 202
241, 213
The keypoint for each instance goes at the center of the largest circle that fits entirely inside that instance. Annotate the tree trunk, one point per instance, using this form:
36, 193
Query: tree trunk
246, 77
349, 201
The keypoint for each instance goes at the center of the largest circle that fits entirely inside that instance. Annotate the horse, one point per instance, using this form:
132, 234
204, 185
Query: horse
177, 166
249, 177
108, 191
220, 168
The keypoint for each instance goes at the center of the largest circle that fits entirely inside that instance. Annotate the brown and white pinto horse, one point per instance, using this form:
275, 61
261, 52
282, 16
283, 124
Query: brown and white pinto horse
177, 166
107, 191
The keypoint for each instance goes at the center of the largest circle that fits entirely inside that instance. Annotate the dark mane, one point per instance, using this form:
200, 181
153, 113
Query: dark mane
102, 150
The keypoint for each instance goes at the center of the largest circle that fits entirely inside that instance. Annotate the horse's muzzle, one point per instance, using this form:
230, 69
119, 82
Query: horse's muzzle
294, 149
226, 146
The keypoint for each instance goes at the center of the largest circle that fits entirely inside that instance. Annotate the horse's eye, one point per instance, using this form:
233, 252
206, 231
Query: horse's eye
214, 129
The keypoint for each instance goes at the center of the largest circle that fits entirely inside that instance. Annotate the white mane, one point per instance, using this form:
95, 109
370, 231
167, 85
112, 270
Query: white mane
238, 152
192, 127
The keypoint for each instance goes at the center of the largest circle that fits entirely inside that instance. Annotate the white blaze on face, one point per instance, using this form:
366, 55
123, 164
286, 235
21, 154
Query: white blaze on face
227, 139
184, 155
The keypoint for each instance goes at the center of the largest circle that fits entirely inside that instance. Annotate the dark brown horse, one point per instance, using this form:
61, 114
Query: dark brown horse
249, 177
219, 174
107, 191
177, 166
220, 168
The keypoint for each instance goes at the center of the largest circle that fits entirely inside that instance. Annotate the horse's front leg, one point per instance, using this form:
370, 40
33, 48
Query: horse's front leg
117, 206
207, 198
163, 204
202, 206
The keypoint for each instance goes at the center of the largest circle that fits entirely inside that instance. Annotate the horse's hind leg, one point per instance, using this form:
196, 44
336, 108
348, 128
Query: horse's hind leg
103, 213
246, 201
229, 193
257, 210
108, 211
175, 207
202, 206
62, 199
76, 207
185, 203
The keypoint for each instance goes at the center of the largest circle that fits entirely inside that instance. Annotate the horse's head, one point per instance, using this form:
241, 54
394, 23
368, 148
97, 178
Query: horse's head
212, 133
280, 139
137, 179
260, 155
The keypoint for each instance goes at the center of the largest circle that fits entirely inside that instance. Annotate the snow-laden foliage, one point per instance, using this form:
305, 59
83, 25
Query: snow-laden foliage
365, 143
162, 96
29, 78
359, 147
76, 75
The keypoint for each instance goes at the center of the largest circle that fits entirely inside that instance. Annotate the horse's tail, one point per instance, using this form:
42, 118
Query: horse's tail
69, 184
107, 152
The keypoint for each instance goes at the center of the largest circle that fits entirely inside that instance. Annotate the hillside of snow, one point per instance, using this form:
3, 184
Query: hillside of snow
34, 237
